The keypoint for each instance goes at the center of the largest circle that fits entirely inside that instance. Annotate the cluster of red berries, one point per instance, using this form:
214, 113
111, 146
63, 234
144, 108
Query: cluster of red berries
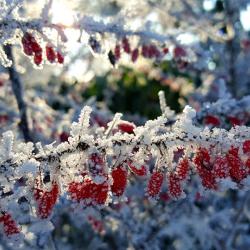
97, 184
215, 121
209, 170
230, 165
32, 48
149, 51
9, 225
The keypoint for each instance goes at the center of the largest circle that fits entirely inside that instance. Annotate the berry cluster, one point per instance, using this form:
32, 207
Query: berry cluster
237, 120
32, 48
229, 165
209, 169
104, 174
149, 51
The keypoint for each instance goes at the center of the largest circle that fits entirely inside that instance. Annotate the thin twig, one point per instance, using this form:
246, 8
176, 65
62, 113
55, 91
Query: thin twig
17, 89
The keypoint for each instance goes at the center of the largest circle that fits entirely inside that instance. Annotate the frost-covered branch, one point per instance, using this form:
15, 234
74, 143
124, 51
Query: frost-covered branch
92, 168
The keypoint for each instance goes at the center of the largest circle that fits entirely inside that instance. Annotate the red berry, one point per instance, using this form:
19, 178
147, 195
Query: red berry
202, 157
117, 52
182, 169
234, 121
174, 186
142, 171
153, 51
246, 147
134, 55
119, 175
38, 58
145, 51
179, 52
126, 45
36, 47
46, 200
31, 47
212, 120
126, 127
89, 192
26, 42
221, 168
50, 54
64, 136
60, 58
9, 225
154, 184
236, 167
165, 50
205, 169
27, 50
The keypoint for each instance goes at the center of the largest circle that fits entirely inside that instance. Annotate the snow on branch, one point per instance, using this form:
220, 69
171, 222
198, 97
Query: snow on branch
152, 44
92, 156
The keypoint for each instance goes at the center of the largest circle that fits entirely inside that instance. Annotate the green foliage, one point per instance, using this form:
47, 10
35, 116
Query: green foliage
132, 92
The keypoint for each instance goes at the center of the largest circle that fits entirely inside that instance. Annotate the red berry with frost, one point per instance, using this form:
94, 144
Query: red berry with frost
174, 186
46, 200
141, 171
119, 176
182, 169
208, 180
205, 169
126, 127
212, 120
50, 53
9, 225
246, 147
155, 184
234, 121
134, 55
89, 192
202, 158
236, 168
220, 167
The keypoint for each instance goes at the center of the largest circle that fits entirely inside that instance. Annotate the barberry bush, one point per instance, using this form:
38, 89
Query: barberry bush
74, 175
